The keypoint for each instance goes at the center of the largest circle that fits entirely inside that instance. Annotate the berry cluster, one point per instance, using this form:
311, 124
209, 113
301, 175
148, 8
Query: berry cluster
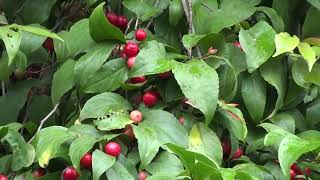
117, 20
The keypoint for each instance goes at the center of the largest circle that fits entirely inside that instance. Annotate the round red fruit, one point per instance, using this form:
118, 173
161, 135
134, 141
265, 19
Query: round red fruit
136, 116
131, 49
112, 18
226, 147
113, 149
136, 80
3, 177
122, 22
237, 44
37, 173
292, 174
48, 44
70, 173
150, 98
130, 62
165, 75
237, 154
86, 161
307, 171
140, 35
142, 175
181, 120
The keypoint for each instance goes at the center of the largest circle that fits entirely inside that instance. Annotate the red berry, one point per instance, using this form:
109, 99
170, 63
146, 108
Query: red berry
48, 44
307, 171
122, 22
292, 174
165, 75
131, 49
123, 55
3, 177
226, 147
237, 154
140, 34
113, 149
129, 132
136, 80
237, 44
37, 173
181, 120
70, 173
150, 98
130, 62
86, 161
136, 116
112, 18
142, 175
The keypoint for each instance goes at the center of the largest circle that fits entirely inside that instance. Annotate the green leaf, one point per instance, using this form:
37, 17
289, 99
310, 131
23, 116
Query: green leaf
197, 80
285, 43
165, 163
36, 11
63, 80
11, 36
40, 31
141, 8
39, 107
308, 54
119, 172
230, 13
101, 104
151, 60
315, 3
5, 69
83, 130
285, 121
101, 29
191, 40
49, 144
158, 128
276, 20
80, 147
310, 29
285, 9
109, 77
274, 73
76, 40
175, 12
114, 119
5, 163
31, 42
23, 154
101, 162
254, 84
254, 171
204, 141
291, 148
91, 62
258, 44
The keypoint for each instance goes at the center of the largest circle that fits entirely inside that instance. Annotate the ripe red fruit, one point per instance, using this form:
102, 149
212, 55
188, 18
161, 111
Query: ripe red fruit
113, 149
131, 49
3, 177
136, 80
165, 75
130, 62
237, 44
86, 161
48, 44
307, 171
136, 116
70, 173
150, 98
237, 154
142, 175
37, 173
181, 120
122, 22
140, 34
296, 169
112, 18
292, 174
226, 147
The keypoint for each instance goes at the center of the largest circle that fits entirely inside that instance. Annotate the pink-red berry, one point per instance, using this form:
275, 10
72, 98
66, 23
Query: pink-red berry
292, 174
237, 154
130, 62
113, 149
307, 171
136, 80
122, 22
48, 44
86, 161
3, 177
181, 120
142, 175
136, 116
112, 18
150, 98
70, 173
131, 49
140, 35
165, 75
237, 44
37, 173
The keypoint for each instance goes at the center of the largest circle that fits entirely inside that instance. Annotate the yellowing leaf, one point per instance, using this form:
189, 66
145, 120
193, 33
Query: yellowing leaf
308, 54
285, 43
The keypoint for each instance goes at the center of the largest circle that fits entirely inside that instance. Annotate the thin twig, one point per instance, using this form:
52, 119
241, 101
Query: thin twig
128, 27
136, 25
186, 12
3, 87
45, 119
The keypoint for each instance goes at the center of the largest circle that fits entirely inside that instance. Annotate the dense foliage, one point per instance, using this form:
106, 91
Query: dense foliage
160, 89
